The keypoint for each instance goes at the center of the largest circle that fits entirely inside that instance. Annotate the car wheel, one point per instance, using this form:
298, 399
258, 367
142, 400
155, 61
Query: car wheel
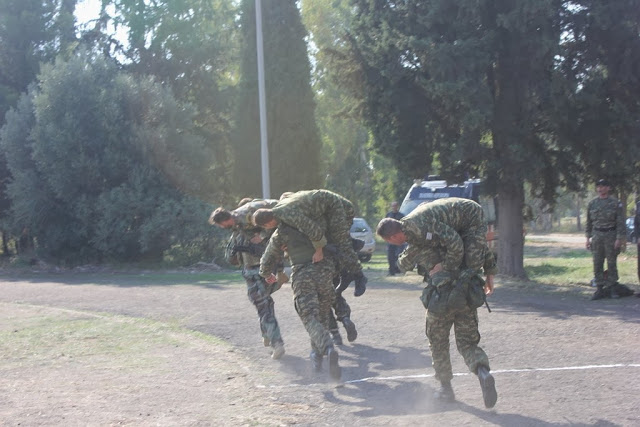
364, 257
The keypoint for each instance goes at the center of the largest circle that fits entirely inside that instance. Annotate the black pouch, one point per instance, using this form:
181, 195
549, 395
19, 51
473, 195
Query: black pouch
475, 292
427, 292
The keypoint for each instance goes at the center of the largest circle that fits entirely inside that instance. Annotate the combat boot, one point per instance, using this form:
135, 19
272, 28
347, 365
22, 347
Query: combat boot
335, 336
361, 284
334, 369
599, 293
488, 385
278, 351
345, 280
352, 333
445, 393
316, 360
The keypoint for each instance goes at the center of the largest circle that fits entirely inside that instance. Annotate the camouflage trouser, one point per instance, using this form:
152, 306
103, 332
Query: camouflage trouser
338, 226
259, 293
465, 324
475, 244
603, 246
313, 297
341, 310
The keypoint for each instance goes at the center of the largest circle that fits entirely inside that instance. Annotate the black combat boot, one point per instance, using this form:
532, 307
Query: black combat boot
278, 350
600, 293
334, 369
345, 280
361, 284
335, 336
352, 334
488, 385
316, 360
445, 393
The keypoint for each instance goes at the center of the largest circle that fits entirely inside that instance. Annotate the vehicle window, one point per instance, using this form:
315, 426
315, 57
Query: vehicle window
359, 226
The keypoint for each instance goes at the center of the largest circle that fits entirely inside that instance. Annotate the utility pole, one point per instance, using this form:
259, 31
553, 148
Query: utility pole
264, 146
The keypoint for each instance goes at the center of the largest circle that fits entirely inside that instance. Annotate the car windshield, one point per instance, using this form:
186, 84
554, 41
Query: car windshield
359, 226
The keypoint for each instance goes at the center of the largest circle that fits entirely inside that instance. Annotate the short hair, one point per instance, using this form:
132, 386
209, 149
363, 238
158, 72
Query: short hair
244, 201
262, 216
219, 216
387, 227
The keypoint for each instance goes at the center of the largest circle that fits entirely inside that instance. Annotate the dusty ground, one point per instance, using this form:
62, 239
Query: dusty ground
558, 358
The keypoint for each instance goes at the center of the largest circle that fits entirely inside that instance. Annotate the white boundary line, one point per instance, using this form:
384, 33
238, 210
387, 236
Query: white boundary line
499, 371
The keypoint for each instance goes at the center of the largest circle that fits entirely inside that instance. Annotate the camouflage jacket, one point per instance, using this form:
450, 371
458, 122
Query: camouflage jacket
605, 214
240, 249
308, 211
438, 225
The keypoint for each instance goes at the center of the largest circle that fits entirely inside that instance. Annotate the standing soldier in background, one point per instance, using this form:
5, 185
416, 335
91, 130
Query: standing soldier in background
394, 250
246, 245
636, 231
605, 232
444, 241
312, 285
325, 217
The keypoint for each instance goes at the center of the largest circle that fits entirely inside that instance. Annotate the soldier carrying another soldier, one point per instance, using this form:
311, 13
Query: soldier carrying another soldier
324, 217
447, 241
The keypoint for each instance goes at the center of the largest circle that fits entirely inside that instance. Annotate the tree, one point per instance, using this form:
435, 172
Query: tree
293, 138
100, 163
473, 85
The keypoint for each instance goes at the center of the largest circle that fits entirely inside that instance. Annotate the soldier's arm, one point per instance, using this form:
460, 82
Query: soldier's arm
454, 246
272, 255
621, 228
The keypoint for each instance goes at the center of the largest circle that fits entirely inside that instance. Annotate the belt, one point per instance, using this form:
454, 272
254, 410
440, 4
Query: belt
605, 229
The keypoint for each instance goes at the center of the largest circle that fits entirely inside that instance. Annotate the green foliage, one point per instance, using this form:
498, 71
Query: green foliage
98, 158
293, 138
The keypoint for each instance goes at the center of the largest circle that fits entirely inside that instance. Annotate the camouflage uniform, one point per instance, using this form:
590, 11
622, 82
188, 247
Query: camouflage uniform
438, 329
325, 217
605, 224
258, 291
453, 226
312, 283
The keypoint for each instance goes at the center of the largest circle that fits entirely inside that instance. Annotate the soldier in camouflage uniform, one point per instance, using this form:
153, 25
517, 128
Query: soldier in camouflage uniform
605, 231
312, 285
325, 217
246, 245
439, 234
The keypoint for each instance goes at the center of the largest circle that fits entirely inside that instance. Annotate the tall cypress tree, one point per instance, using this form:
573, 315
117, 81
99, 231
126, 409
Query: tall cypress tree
293, 137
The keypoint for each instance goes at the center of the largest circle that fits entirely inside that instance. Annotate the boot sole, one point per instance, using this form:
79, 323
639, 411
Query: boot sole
489, 393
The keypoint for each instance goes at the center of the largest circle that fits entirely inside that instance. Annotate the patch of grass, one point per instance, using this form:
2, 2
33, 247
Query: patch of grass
573, 267
51, 337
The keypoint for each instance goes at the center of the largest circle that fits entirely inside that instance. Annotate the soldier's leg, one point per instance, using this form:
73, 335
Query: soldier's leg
334, 331
598, 253
307, 306
467, 339
467, 335
611, 253
343, 313
259, 296
437, 330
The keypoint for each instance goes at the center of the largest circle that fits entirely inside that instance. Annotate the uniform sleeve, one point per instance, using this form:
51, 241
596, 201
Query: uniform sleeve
272, 256
588, 228
306, 225
408, 258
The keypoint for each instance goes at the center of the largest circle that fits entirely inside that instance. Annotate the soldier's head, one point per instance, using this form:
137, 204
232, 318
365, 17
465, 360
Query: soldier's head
264, 218
395, 206
391, 231
603, 186
221, 218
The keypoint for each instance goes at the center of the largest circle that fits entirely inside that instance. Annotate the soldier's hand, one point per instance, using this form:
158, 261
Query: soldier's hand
617, 244
488, 285
271, 279
317, 255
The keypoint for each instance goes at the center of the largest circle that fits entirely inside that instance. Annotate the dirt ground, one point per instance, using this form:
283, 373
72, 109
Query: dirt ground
191, 354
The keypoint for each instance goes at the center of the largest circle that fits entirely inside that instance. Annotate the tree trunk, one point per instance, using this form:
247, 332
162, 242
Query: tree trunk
510, 235
578, 210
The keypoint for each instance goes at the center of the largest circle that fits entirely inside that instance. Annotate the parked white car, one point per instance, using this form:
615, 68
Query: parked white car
361, 230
